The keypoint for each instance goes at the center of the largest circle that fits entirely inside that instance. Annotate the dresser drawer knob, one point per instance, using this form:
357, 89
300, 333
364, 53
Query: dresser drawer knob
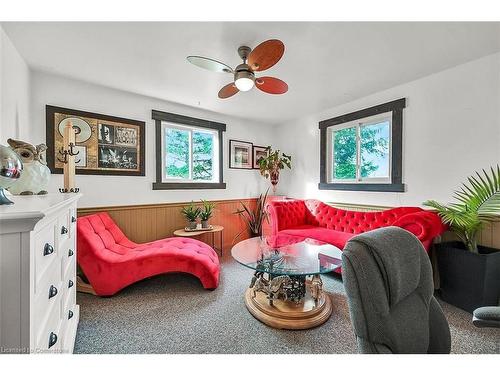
70, 253
70, 314
70, 283
47, 249
73, 219
52, 291
64, 230
52, 339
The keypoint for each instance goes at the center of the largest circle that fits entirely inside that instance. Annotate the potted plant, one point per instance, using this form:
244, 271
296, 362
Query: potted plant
191, 213
470, 274
206, 213
253, 218
271, 165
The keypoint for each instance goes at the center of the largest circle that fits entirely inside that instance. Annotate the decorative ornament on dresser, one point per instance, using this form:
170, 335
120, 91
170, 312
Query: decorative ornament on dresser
36, 175
271, 165
10, 171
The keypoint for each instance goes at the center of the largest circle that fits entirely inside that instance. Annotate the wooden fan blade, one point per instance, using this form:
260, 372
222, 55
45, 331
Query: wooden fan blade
266, 55
271, 85
209, 64
228, 91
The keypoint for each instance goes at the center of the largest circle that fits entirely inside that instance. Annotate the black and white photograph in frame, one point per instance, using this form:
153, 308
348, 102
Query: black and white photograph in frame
240, 154
125, 136
113, 157
259, 152
105, 133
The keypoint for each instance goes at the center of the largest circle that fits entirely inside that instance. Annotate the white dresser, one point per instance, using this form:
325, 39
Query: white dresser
38, 310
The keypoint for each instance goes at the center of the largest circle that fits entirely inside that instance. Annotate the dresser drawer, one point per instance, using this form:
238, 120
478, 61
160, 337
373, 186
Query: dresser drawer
63, 227
72, 220
68, 299
68, 258
49, 336
48, 296
45, 250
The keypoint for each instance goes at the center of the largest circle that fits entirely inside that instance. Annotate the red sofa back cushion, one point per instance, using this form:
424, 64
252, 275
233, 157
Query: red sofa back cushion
292, 215
322, 215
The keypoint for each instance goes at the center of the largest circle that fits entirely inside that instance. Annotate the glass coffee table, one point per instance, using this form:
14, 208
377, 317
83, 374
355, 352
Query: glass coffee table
286, 290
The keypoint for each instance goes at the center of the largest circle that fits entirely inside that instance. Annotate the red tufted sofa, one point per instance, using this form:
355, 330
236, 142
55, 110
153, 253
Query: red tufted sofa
110, 261
315, 219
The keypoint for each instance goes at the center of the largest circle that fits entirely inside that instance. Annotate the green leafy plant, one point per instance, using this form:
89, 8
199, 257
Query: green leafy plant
207, 210
254, 218
271, 165
191, 212
477, 201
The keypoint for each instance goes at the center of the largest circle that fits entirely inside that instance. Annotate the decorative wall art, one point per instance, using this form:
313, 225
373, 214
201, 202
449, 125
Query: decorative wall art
240, 154
104, 144
259, 152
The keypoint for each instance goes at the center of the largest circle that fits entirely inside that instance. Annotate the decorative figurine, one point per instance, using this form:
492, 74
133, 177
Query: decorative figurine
10, 171
36, 175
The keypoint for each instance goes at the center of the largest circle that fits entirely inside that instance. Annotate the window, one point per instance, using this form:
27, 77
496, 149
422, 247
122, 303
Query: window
362, 150
188, 152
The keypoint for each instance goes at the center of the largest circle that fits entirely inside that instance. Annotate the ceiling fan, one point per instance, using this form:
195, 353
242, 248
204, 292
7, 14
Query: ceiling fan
262, 57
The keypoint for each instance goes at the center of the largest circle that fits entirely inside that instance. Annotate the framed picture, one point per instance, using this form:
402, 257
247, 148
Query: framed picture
106, 145
258, 153
240, 154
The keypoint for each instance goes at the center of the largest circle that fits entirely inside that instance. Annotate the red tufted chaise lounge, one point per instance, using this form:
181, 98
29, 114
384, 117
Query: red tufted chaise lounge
315, 219
110, 261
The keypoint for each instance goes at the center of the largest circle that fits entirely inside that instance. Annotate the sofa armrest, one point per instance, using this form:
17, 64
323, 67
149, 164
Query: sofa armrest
424, 225
286, 214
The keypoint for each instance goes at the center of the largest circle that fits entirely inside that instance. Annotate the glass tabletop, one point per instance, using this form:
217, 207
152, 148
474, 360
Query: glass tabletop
286, 255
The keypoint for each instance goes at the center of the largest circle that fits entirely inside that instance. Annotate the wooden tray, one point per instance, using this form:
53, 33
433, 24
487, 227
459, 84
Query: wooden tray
199, 229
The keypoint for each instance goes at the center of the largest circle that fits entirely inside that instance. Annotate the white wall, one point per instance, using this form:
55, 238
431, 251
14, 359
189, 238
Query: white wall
124, 190
14, 92
451, 128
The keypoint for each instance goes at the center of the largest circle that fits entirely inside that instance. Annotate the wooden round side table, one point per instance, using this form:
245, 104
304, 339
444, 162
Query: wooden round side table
215, 229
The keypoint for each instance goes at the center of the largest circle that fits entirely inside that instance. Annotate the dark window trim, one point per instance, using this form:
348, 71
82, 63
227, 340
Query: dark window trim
396, 185
159, 116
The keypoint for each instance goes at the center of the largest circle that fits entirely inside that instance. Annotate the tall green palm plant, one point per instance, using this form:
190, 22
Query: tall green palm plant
253, 218
477, 201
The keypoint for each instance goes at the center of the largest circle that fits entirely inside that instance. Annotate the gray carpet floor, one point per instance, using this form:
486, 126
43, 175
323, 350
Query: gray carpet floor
172, 313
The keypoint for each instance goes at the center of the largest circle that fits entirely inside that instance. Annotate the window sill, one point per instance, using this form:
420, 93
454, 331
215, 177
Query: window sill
188, 185
400, 188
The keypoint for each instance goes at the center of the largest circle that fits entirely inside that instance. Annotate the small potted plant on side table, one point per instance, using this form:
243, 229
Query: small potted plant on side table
469, 274
191, 213
206, 213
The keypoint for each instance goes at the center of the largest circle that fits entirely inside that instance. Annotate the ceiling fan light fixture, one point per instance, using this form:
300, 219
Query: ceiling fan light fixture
244, 80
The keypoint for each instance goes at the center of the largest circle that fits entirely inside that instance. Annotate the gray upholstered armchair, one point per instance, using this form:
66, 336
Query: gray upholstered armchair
388, 280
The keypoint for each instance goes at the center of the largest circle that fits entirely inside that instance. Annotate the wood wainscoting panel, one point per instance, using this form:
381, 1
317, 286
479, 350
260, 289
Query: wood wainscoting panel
145, 223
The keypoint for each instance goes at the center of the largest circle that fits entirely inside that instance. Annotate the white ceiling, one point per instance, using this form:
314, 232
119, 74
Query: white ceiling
325, 64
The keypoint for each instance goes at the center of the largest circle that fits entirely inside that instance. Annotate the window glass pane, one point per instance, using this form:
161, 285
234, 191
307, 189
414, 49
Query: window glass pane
203, 144
344, 158
177, 147
375, 150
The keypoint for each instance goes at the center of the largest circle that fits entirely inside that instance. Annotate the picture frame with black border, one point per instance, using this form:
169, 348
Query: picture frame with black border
95, 130
240, 154
257, 153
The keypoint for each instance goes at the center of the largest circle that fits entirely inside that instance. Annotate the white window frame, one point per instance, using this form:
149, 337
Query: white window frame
366, 121
215, 153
